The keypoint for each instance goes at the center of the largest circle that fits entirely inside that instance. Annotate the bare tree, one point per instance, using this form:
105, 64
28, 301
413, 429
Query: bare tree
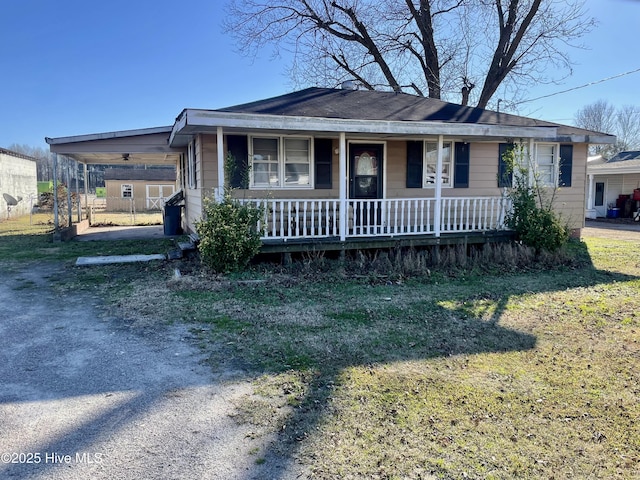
439, 47
624, 123
628, 128
44, 164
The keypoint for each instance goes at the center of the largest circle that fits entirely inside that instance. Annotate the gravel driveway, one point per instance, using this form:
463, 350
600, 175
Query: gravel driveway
84, 396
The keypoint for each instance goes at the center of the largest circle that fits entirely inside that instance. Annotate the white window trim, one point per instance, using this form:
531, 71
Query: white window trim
191, 165
449, 184
281, 163
123, 188
556, 164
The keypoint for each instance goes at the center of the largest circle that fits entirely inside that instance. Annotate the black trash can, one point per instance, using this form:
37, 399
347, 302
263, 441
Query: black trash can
172, 219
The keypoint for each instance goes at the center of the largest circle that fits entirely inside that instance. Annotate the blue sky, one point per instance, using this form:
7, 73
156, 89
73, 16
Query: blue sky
72, 67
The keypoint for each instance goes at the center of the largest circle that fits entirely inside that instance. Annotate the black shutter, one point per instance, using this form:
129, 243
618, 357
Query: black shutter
461, 165
239, 148
566, 165
323, 157
505, 175
414, 163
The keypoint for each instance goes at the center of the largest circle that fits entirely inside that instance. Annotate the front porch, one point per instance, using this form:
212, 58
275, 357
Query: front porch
305, 224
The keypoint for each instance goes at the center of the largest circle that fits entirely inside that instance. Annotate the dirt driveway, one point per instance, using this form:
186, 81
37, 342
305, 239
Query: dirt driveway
619, 231
85, 396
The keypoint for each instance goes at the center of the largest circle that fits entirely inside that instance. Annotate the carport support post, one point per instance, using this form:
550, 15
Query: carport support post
69, 204
86, 189
56, 223
78, 194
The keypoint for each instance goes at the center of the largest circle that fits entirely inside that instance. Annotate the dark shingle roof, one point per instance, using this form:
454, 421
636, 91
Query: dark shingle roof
625, 156
150, 174
390, 106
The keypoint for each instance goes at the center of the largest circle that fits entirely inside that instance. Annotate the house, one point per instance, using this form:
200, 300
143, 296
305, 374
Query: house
345, 168
18, 184
613, 184
137, 188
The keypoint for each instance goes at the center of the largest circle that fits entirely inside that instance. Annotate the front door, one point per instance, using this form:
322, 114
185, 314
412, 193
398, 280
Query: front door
365, 171
365, 184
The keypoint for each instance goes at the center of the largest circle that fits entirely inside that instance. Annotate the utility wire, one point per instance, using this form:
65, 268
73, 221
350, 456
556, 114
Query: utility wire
577, 88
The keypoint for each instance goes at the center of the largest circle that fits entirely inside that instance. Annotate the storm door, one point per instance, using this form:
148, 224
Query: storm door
365, 184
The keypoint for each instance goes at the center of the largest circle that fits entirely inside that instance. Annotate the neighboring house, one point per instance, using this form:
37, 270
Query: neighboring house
344, 168
612, 184
18, 184
144, 189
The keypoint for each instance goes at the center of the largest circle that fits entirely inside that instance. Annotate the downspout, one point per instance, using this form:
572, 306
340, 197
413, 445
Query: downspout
343, 186
220, 151
437, 218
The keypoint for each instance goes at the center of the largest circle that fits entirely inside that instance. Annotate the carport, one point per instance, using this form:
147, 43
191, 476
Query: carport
148, 146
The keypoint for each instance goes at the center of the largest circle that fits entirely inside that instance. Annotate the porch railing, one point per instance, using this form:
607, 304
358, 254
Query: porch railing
306, 219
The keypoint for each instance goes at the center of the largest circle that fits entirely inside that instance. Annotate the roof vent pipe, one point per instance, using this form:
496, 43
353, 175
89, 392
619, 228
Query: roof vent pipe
349, 85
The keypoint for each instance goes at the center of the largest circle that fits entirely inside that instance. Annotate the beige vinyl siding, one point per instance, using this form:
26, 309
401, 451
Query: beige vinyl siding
569, 201
193, 196
483, 173
208, 162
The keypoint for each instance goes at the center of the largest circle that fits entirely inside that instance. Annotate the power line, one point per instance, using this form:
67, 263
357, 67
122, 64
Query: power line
581, 86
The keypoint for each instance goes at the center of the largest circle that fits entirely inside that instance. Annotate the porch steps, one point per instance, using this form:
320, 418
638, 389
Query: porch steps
185, 247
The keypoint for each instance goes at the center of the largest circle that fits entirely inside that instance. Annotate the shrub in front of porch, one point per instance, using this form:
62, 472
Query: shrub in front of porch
229, 237
537, 226
532, 216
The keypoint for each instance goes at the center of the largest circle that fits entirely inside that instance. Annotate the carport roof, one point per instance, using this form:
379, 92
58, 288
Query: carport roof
143, 146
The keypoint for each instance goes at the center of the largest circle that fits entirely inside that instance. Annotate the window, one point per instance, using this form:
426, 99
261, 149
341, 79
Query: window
126, 190
280, 162
431, 163
546, 164
296, 162
191, 165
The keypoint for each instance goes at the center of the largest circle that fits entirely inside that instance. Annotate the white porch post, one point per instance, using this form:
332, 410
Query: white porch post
438, 213
531, 164
343, 186
220, 150
591, 212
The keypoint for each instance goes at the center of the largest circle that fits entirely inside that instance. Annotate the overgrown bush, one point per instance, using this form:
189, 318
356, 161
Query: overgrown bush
532, 217
537, 226
228, 230
229, 237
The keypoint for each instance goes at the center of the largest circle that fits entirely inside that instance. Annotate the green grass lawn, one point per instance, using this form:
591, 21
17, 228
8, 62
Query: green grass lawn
25, 238
531, 373
479, 373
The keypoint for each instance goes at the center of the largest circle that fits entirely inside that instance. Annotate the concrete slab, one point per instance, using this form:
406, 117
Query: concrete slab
121, 233
107, 259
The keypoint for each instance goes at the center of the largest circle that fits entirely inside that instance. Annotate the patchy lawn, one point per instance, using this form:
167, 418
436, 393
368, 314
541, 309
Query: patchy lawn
529, 373
526, 374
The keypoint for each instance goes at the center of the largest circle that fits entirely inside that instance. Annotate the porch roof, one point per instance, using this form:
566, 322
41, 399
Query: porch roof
374, 113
